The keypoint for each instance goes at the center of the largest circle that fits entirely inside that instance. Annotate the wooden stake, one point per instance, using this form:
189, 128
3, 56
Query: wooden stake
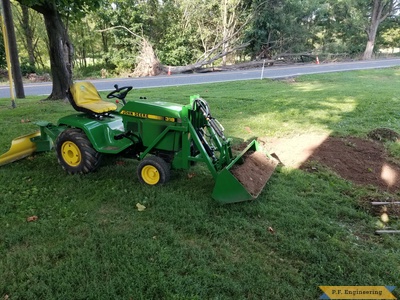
262, 70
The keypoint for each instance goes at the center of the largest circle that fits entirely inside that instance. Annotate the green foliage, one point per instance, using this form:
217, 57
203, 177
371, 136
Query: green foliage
93, 71
27, 68
341, 27
176, 52
390, 33
345, 23
119, 46
184, 31
280, 26
177, 47
70, 9
85, 40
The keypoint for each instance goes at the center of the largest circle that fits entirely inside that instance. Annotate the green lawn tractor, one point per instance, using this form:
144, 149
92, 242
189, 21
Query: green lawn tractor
161, 135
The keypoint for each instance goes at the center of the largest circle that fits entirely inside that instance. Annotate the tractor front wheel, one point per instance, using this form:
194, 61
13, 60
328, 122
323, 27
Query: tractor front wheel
75, 153
153, 170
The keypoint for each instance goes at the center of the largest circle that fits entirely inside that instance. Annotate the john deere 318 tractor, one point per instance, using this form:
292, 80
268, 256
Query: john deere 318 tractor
163, 136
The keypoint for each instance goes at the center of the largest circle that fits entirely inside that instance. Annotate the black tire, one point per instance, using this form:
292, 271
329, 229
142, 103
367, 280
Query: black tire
75, 153
153, 170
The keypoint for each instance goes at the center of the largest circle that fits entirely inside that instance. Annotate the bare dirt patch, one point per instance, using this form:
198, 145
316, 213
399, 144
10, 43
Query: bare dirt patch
363, 162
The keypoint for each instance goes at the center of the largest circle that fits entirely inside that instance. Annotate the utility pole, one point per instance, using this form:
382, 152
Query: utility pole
12, 48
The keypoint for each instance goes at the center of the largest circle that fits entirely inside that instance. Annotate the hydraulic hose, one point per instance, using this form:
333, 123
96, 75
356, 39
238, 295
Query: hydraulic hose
214, 123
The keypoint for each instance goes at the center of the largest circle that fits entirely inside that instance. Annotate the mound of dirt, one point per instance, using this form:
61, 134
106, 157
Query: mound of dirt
362, 162
384, 135
255, 171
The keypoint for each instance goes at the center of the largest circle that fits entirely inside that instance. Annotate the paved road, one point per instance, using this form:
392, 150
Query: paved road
175, 80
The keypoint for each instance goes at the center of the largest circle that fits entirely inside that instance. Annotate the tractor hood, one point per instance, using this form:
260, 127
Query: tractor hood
159, 110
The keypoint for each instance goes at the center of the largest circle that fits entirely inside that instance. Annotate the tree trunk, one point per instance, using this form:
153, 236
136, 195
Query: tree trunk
380, 11
12, 46
104, 41
225, 30
181, 69
60, 50
369, 49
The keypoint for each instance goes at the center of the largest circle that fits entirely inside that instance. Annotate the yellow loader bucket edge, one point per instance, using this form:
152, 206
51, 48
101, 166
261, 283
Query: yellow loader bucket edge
21, 147
245, 177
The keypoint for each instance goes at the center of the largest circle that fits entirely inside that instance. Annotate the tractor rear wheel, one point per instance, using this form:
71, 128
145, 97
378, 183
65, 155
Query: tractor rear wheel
75, 153
153, 170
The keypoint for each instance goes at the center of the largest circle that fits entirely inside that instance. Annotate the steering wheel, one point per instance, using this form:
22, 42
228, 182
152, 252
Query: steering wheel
119, 93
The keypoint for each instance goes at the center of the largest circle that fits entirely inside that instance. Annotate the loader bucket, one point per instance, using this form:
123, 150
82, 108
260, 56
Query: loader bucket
20, 147
245, 177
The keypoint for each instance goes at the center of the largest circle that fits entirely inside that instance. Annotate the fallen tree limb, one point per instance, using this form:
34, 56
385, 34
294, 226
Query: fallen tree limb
196, 66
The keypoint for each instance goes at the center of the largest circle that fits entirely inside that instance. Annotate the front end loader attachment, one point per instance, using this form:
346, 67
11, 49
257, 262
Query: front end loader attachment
237, 178
245, 177
21, 147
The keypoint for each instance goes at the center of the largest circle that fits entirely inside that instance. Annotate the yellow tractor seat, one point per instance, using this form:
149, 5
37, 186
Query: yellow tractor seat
84, 97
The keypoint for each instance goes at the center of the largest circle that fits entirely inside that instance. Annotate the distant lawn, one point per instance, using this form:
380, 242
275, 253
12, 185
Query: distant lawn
91, 242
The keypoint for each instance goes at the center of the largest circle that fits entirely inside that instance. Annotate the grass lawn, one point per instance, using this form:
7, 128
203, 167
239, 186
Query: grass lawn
91, 242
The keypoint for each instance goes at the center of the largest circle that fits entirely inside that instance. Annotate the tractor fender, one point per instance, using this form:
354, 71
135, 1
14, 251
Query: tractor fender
100, 132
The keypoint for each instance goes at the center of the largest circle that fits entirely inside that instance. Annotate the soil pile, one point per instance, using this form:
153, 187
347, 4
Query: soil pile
360, 161
255, 171
363, 162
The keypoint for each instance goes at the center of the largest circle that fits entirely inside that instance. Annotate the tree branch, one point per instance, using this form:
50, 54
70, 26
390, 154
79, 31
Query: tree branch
122, 27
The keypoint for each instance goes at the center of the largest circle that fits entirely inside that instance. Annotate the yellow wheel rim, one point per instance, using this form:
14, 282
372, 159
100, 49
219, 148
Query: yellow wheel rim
150, 175
71, 154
